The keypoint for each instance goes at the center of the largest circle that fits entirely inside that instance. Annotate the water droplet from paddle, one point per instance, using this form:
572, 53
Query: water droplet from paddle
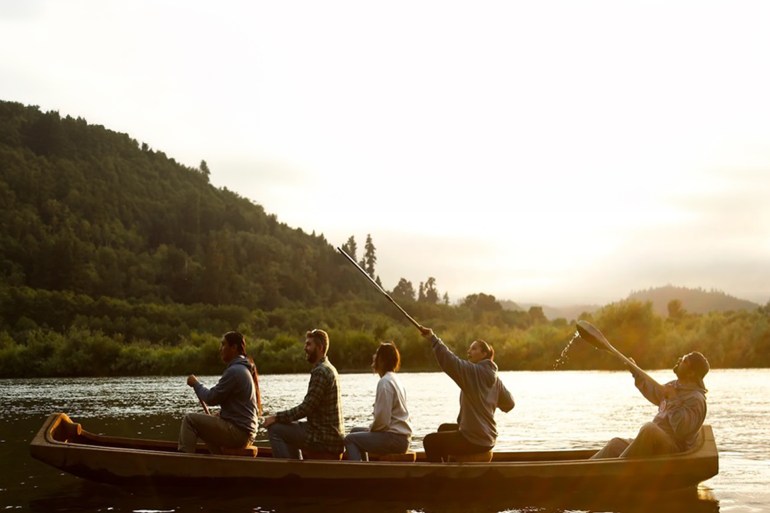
563, 357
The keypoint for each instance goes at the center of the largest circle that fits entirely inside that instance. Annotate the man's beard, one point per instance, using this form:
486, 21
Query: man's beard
676, 368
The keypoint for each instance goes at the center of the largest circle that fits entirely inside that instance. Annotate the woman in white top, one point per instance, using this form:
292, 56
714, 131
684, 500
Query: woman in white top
390, 431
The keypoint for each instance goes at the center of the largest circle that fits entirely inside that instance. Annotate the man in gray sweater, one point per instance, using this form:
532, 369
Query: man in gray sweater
681, 411
481, 392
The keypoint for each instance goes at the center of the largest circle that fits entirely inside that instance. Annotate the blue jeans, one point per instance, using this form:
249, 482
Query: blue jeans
361, 440
286, 440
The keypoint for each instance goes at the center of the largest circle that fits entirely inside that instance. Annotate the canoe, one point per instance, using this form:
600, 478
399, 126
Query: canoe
64, 444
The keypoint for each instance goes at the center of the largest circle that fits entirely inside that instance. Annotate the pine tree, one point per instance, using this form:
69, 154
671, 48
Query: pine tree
350, 247
370, 258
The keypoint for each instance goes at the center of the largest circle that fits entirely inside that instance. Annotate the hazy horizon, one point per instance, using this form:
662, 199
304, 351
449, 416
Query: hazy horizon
554, 153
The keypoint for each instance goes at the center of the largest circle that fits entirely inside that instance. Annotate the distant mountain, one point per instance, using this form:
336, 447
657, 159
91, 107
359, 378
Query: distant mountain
570, 313
697, 301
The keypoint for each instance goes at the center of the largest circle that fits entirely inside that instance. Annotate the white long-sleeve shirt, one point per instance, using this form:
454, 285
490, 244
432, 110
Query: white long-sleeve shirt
390, 413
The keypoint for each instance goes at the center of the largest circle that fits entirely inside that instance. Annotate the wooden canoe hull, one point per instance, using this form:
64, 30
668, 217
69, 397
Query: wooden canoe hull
66, 446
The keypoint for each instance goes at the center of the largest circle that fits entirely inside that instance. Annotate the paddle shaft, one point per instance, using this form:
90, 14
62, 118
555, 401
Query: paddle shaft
596, 338
627, 360
417, 324
205, 407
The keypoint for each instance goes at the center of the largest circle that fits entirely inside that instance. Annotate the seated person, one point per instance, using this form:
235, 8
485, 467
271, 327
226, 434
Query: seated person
481, 392
681, 412
237, 391
323, 431
390, 431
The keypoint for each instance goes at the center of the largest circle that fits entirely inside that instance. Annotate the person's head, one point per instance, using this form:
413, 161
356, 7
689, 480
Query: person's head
232, 345
386, 358
316, 345
692, 367
480, 350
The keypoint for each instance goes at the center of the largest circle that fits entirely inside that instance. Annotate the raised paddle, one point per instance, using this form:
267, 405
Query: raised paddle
417, 324
593, 336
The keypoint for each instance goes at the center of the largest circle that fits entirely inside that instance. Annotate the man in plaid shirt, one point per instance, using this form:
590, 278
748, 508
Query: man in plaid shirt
323, 431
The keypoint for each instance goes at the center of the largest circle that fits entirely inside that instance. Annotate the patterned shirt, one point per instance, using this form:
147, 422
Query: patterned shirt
322, 407
682, 416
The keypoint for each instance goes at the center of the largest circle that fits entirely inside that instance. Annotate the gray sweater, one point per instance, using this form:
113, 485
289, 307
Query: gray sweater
680, 417
481, 392
236, 393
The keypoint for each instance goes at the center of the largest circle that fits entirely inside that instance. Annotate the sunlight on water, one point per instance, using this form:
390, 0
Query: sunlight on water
554, 410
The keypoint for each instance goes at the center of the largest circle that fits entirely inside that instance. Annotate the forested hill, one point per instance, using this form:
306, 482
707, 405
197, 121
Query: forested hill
117, 260
91, 211
696, 301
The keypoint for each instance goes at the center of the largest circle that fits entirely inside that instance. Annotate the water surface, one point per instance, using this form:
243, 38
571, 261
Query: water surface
554, 410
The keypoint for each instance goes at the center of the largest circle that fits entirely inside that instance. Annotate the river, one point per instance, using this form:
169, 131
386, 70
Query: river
554, 410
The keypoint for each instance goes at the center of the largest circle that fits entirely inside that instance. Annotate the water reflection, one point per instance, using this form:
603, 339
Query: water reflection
87, 496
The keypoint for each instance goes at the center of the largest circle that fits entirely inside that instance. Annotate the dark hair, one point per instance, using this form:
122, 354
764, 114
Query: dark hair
388, 357
233, 338
488, 350
321, 337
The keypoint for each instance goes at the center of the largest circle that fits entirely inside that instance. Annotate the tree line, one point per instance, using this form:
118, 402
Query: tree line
117, 260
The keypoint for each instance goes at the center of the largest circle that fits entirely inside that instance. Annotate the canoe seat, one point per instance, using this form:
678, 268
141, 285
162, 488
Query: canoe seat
481, 457
68, 430
250, 451
320, 455
409, 457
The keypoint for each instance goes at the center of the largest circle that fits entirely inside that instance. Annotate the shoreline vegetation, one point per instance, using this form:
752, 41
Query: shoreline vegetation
116, 260
47, 334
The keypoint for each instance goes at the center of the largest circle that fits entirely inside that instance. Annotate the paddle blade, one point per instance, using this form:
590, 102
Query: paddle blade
592, 335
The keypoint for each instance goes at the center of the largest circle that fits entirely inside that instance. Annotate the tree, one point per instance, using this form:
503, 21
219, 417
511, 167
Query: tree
204, 168
675, 309
370, 258
350, 247
537, 315
403, 291
483, 303
431, 292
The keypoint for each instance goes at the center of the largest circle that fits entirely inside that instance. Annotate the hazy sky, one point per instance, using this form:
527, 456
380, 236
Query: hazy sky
547, 152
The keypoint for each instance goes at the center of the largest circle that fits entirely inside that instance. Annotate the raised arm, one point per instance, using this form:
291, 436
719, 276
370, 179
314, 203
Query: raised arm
650, 389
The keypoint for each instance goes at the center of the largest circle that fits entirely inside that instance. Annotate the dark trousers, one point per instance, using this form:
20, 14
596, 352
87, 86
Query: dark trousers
448, 441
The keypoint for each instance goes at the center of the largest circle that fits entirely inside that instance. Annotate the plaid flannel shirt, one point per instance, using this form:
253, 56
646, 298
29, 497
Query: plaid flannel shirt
322, 407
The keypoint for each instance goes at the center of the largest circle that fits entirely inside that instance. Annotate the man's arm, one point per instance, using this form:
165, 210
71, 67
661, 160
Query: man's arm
219, 392
651, 389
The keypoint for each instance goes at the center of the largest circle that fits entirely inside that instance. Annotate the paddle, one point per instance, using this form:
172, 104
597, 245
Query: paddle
593, 336
205, 407
417, 324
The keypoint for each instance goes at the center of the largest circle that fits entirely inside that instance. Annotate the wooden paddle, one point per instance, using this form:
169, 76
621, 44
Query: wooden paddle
593, 336
205, 407
417, 324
